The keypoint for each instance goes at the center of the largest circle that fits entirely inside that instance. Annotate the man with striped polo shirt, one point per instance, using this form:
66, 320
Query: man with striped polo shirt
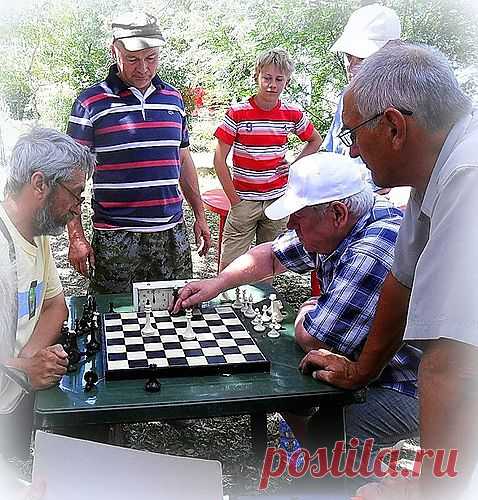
257, 131
136, 124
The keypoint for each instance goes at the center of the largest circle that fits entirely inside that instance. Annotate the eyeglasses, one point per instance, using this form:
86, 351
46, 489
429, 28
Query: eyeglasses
79, 199
348, 135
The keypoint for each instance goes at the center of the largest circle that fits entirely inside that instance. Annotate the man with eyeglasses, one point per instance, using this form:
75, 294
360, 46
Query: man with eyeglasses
47, 174
136, 124
368, 29
413, 126
339, 228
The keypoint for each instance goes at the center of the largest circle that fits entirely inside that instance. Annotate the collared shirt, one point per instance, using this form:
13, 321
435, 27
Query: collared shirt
137, 139
436, 247
351, 279
259, 145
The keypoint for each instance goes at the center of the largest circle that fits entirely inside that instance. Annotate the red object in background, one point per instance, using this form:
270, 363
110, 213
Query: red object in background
199, 93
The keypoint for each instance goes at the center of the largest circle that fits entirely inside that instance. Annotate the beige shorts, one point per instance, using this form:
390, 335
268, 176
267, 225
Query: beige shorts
245, 221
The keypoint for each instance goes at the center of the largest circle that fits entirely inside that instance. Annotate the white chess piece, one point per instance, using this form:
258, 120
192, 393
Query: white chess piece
188, 333
257, 315
259, 327
249, 312
265, 317
272, 298
244, 301
148, 330
275, 327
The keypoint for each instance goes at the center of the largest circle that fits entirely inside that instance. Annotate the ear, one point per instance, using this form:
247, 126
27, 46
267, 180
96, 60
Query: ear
397, 127
340, 214
39, 186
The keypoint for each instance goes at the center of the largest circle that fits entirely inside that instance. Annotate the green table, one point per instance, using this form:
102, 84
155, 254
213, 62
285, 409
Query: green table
254, 394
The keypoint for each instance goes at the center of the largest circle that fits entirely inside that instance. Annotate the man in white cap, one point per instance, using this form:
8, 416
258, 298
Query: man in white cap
339, 228
367, 31
136, 124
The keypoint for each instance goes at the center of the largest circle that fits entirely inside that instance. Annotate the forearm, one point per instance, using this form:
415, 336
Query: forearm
223, 173
75, 229
311, 146
47, 330
386, 333
258, 264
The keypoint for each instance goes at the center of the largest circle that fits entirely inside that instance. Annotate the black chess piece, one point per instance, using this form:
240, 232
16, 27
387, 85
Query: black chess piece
74, 354
112, 308
90, 377
153, 384
93, 346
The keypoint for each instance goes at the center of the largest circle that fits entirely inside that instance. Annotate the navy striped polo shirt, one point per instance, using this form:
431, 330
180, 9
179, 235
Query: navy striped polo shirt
137, 139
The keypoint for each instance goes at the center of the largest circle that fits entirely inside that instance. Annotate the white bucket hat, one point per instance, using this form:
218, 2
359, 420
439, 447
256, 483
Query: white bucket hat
315, 179
368, 30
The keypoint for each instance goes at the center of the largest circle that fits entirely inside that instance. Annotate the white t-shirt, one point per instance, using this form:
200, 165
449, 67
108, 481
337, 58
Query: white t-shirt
37, 278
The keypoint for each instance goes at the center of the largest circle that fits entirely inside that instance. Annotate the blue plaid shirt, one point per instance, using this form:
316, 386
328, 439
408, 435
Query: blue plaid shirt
351, 279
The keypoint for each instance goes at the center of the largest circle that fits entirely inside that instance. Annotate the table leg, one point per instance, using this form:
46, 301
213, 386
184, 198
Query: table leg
222, 221
259, 434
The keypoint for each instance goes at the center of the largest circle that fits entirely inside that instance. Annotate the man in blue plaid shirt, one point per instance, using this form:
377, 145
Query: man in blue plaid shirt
339, 228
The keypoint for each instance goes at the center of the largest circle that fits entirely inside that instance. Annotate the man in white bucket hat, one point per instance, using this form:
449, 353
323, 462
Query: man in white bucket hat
368, 30
338, 227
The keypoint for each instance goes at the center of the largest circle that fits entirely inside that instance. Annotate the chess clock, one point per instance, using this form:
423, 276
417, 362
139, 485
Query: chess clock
161, 294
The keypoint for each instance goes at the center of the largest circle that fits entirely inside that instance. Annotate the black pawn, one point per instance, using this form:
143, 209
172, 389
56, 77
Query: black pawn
112, 308
153, 384
90, 378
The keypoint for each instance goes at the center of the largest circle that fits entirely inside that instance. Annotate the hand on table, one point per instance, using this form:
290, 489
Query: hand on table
332, 368
195, 292
81, 256
202, 236
46, 367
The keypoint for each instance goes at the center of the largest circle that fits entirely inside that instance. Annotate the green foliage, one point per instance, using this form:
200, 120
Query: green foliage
52, 50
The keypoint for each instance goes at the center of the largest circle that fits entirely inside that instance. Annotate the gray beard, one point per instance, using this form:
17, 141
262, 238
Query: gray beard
45, 224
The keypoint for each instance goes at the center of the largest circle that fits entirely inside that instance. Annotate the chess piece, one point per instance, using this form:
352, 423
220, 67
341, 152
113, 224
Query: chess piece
237, 304
265, 317
249, 312
188, 333
272, 298
90, 377
153, 384
111, 308
244, 301
257, 314
273, 333
259, 326
148, 330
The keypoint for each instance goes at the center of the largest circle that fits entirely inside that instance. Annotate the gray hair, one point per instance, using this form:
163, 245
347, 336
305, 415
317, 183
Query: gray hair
412, 77
45, 150
358, 204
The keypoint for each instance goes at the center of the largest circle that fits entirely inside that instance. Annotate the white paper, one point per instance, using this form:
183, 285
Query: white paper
75, 469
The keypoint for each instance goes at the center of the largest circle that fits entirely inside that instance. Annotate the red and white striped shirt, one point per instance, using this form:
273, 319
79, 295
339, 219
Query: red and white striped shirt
259, 145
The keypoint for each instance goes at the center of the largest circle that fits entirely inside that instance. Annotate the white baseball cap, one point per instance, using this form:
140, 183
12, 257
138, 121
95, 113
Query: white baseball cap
315, 179
137, 31
368, 30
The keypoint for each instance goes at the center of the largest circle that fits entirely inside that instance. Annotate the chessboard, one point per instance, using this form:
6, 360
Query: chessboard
222, 345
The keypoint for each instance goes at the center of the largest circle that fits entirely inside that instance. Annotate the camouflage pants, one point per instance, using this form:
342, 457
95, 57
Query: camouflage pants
124, 257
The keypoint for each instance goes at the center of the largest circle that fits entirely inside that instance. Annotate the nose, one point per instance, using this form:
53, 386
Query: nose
354, 151
142, 66
291, 222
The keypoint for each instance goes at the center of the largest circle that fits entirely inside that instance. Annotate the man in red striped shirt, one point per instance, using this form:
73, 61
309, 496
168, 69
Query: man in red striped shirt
257, 130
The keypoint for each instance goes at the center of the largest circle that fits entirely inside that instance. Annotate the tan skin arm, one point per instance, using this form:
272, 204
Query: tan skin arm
382, 343
41, 359
80, 253
258, 264
188, 181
